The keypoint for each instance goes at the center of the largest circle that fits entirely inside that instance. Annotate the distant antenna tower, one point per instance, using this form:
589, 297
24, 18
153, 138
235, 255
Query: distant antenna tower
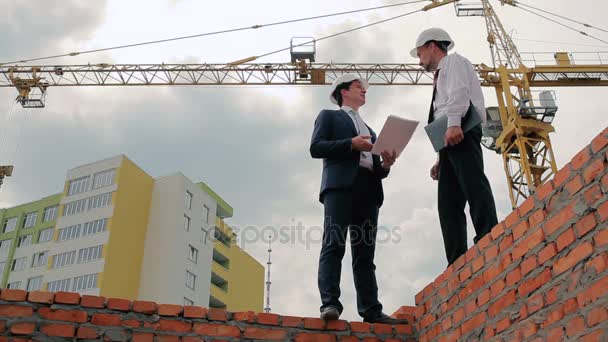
268, 282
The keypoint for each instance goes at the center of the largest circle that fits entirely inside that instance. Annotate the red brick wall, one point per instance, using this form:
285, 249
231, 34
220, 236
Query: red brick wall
540, 275
43, 316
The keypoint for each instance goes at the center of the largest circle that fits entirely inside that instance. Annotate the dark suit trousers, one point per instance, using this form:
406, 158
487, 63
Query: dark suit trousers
462, 179
356, 210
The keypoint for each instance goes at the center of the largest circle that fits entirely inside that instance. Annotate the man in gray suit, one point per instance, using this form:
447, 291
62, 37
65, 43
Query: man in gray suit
351, 192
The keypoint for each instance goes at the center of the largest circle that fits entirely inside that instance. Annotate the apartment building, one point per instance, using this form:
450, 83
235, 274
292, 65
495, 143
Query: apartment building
115, 231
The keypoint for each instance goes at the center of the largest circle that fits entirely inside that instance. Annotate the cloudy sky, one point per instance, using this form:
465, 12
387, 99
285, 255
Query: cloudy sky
249, 143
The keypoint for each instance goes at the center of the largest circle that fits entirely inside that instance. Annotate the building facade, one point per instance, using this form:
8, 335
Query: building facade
115, 231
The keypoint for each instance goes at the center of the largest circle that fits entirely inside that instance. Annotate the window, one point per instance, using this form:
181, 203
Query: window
85, 282
5, 245
14, 285
58, 285
40, 259
75, 207
103, 178
63, 259
205, 214
50, 213
78, 185
190, 280
69, 233
89, 254
46, 235
9, 225
186, 223
24, 240
30, 219
188, 200
19, 264
188, 302
193, 254
99, 201
94, 227
34, 284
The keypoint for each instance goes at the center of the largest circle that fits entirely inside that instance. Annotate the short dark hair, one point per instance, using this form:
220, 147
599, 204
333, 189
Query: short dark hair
442, 45
337, 94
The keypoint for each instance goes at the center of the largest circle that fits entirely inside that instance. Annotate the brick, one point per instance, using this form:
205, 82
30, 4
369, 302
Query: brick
309, 337
573, 257
214, 314
554, 316
528, 265
537, 218
520, 230
458, 315
565, 239
119, 304
574, 326
428, 290
23, 328
593, 171
143, 337
131, 323
505, 243
473, 323
593, 195
526, 206
594, 336
543, 191
86, 333
484, 242
555, 334
61, 330
404, 329
349, 339
446, 323
383, 329
338, 325
40, 297
452, 302
596, 316
483, 297
497, 288
601, 238
547, 253
216, 330
175, 325
599, 142
192, 339
195, 312
314, 323
513, 277
465, 274
603, 211
581, 158
92, 301
469, 255
77, 316
167, 338
533, 284
599, 289
574, 186
511, 219
570, 306
15, 310
528, 244
67, 298
470, 307
290, 321
559, 220
360, 327
535, 303
491, 253
585, 225
497, 231
145, 307
241, 316
265, 334
561, 176
13, 295
268, 319
528, 329
105, 319
503, 325
170, 310
598, 264
478, 264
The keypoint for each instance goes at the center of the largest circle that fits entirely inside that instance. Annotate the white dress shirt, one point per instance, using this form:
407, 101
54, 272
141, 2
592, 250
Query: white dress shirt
457, 84
366, 160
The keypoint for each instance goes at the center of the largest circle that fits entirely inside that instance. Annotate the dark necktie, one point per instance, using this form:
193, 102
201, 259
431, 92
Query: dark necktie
432, 109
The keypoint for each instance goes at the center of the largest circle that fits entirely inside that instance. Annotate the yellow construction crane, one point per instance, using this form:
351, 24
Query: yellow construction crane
518, 128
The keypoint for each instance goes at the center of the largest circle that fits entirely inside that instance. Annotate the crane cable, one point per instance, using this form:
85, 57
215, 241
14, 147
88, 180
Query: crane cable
4, 132
561, 16
210, 33
564, 25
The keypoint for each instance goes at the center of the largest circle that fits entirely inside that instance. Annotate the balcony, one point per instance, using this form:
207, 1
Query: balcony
216, 303
220, 271
221, 254
219, 295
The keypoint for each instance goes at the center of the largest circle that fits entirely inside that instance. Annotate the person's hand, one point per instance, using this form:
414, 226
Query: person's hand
362, 143
453, 136
435, 171
388, 159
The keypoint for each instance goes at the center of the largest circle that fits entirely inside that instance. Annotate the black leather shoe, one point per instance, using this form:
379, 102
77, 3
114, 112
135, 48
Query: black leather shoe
330, 313
385, 319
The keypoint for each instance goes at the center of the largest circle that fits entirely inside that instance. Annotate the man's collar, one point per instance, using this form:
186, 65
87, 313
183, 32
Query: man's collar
443, 61
347, 109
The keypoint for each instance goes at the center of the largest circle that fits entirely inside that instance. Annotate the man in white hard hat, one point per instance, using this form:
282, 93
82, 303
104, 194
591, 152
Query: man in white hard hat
459, 169
351, 192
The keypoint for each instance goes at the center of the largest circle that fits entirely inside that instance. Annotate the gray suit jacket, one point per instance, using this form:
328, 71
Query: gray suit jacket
331, 140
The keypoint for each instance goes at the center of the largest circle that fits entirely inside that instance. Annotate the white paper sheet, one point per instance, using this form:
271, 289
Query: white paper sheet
395, 135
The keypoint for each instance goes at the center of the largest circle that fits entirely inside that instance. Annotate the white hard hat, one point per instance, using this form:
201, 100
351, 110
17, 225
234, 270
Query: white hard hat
345, 79
435, 34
